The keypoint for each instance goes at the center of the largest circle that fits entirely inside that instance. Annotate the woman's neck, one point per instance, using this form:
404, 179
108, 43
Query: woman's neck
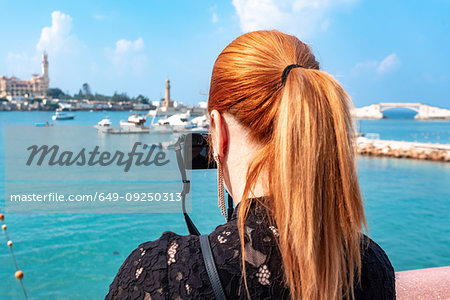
240, 153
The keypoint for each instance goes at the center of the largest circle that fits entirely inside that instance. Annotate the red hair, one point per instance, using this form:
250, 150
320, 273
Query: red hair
305, 129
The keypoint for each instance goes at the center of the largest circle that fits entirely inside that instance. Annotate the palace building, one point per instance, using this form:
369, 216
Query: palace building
36, 87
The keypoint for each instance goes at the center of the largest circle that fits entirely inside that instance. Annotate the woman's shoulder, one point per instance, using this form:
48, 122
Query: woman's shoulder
377, 273
166, 268
373, 254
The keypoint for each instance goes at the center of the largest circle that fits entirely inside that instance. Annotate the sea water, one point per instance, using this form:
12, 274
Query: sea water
76, 256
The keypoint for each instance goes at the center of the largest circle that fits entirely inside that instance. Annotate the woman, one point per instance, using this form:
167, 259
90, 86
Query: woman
282, 137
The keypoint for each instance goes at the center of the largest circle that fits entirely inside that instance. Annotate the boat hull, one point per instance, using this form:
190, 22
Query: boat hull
62, 118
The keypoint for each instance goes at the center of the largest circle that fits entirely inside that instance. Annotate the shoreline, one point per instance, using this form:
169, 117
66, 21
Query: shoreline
401, 149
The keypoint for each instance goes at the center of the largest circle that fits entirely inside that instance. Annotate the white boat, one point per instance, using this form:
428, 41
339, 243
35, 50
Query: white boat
174, 123
175, 120
106, 122
201, 121
163, 111
134, 120
104, 125
134, 124
62, 116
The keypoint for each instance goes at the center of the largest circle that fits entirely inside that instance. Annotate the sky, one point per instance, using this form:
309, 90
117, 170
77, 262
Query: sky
380, 51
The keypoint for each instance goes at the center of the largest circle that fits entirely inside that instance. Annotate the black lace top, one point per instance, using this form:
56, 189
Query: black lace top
172, 267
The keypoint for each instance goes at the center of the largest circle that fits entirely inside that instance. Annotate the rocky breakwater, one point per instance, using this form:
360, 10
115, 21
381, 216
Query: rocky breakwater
400, 149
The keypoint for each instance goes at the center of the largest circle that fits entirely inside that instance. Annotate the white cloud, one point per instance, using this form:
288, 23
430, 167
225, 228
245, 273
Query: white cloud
387, 65
258, 14
128, 56
58, 37
99, 17
300, 17
65, 51
215, 17
326, 24
124, 46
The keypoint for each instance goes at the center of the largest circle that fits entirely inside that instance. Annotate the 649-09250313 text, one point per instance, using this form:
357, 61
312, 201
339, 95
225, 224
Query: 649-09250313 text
97, 196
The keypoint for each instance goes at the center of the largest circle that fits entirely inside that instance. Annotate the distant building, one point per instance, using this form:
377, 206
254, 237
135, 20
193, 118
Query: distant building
167, 102
36, 87
170, 107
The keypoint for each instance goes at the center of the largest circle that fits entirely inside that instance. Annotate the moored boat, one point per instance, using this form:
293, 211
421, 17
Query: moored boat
134, 124
60, 116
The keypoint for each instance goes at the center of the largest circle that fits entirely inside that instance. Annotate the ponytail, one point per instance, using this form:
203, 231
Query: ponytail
309, 159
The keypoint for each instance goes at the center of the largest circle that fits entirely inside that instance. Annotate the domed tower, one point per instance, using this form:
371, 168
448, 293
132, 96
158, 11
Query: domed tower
167, 102
45, 65
45, 79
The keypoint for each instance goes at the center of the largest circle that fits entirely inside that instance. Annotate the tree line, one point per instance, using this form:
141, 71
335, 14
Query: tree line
85, 93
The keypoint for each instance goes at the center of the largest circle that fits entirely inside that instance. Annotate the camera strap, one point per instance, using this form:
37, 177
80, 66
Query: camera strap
211, 267
230, 209
186, 187
205, 246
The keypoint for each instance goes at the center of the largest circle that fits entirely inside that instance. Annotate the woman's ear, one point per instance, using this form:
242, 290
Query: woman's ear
220, 135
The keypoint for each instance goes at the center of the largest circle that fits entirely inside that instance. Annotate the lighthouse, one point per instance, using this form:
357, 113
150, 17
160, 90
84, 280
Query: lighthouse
45, 65
167, 102
45, 79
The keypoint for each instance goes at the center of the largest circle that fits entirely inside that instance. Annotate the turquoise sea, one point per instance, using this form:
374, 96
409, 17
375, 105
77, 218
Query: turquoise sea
76, 256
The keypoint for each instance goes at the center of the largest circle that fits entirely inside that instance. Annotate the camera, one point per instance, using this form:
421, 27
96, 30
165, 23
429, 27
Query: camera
196, 152
195, 156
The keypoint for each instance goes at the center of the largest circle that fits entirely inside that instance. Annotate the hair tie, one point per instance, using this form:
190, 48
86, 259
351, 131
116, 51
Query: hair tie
287, 70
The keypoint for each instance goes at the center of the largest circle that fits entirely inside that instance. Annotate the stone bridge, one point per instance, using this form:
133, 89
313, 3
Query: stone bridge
424, 111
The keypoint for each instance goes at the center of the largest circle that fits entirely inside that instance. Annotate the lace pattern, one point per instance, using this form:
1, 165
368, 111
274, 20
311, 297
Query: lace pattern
172, 267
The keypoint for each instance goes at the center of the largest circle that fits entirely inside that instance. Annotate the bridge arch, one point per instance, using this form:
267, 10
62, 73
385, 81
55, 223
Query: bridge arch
424, 112
412, 106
